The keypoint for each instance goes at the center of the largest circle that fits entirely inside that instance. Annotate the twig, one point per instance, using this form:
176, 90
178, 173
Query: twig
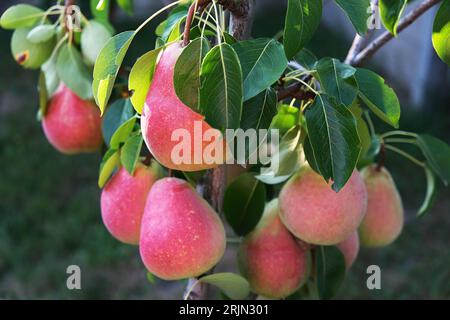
379, 42
358, 41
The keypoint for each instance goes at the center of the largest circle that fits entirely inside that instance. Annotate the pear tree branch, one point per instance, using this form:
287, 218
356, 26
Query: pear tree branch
384, 38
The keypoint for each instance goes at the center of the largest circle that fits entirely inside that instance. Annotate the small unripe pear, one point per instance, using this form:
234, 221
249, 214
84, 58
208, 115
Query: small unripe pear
123, 201
350, 249
272, 259
181, 235
383, 222
28, 54
316, 214
72, 125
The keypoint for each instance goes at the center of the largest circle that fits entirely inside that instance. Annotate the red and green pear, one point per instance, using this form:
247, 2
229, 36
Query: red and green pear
181, 235
272, 260
316, 214
164, 116
72, 125
123, 201
350, 249
384, 220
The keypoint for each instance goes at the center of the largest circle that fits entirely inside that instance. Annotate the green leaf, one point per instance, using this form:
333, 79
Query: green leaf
259, 111
358, 12
110, 162
306, 59
263, 62
437, 153
122, 133
378, 96
337, 80
116, 114
175, 18
244, 203
43, 95
140, 78
130, 152
233, 285
334, 139
151, 278
330, 271
430, 195
221, 91
51, 76
19, 16
93, 38
41, 33
302, 20
107, 66
363, 131
441, 32
391, 12
73, 72
187, 72
286, 161
127, 6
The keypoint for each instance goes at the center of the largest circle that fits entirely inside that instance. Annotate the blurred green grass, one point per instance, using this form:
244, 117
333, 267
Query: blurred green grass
50, 218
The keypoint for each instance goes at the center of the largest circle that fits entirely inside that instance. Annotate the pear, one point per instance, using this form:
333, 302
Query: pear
168, 124
72, 125
316, 214
273, 261
181, 235
383, 222
350, 249
123, 201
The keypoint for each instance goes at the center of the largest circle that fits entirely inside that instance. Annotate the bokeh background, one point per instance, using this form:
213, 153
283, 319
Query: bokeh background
49, 203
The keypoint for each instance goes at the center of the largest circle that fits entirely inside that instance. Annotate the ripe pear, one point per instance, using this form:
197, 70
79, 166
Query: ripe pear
272, 260
28, 54
181, 235
383, 222
72, 125
123, 201
316, 214
164, 113
350, 249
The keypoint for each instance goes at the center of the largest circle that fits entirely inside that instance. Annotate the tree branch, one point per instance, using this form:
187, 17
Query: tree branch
379, 42
358, 41
356, 56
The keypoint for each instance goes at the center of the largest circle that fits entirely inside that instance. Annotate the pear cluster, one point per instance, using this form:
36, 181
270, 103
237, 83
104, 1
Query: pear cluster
275, 256
180, 235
